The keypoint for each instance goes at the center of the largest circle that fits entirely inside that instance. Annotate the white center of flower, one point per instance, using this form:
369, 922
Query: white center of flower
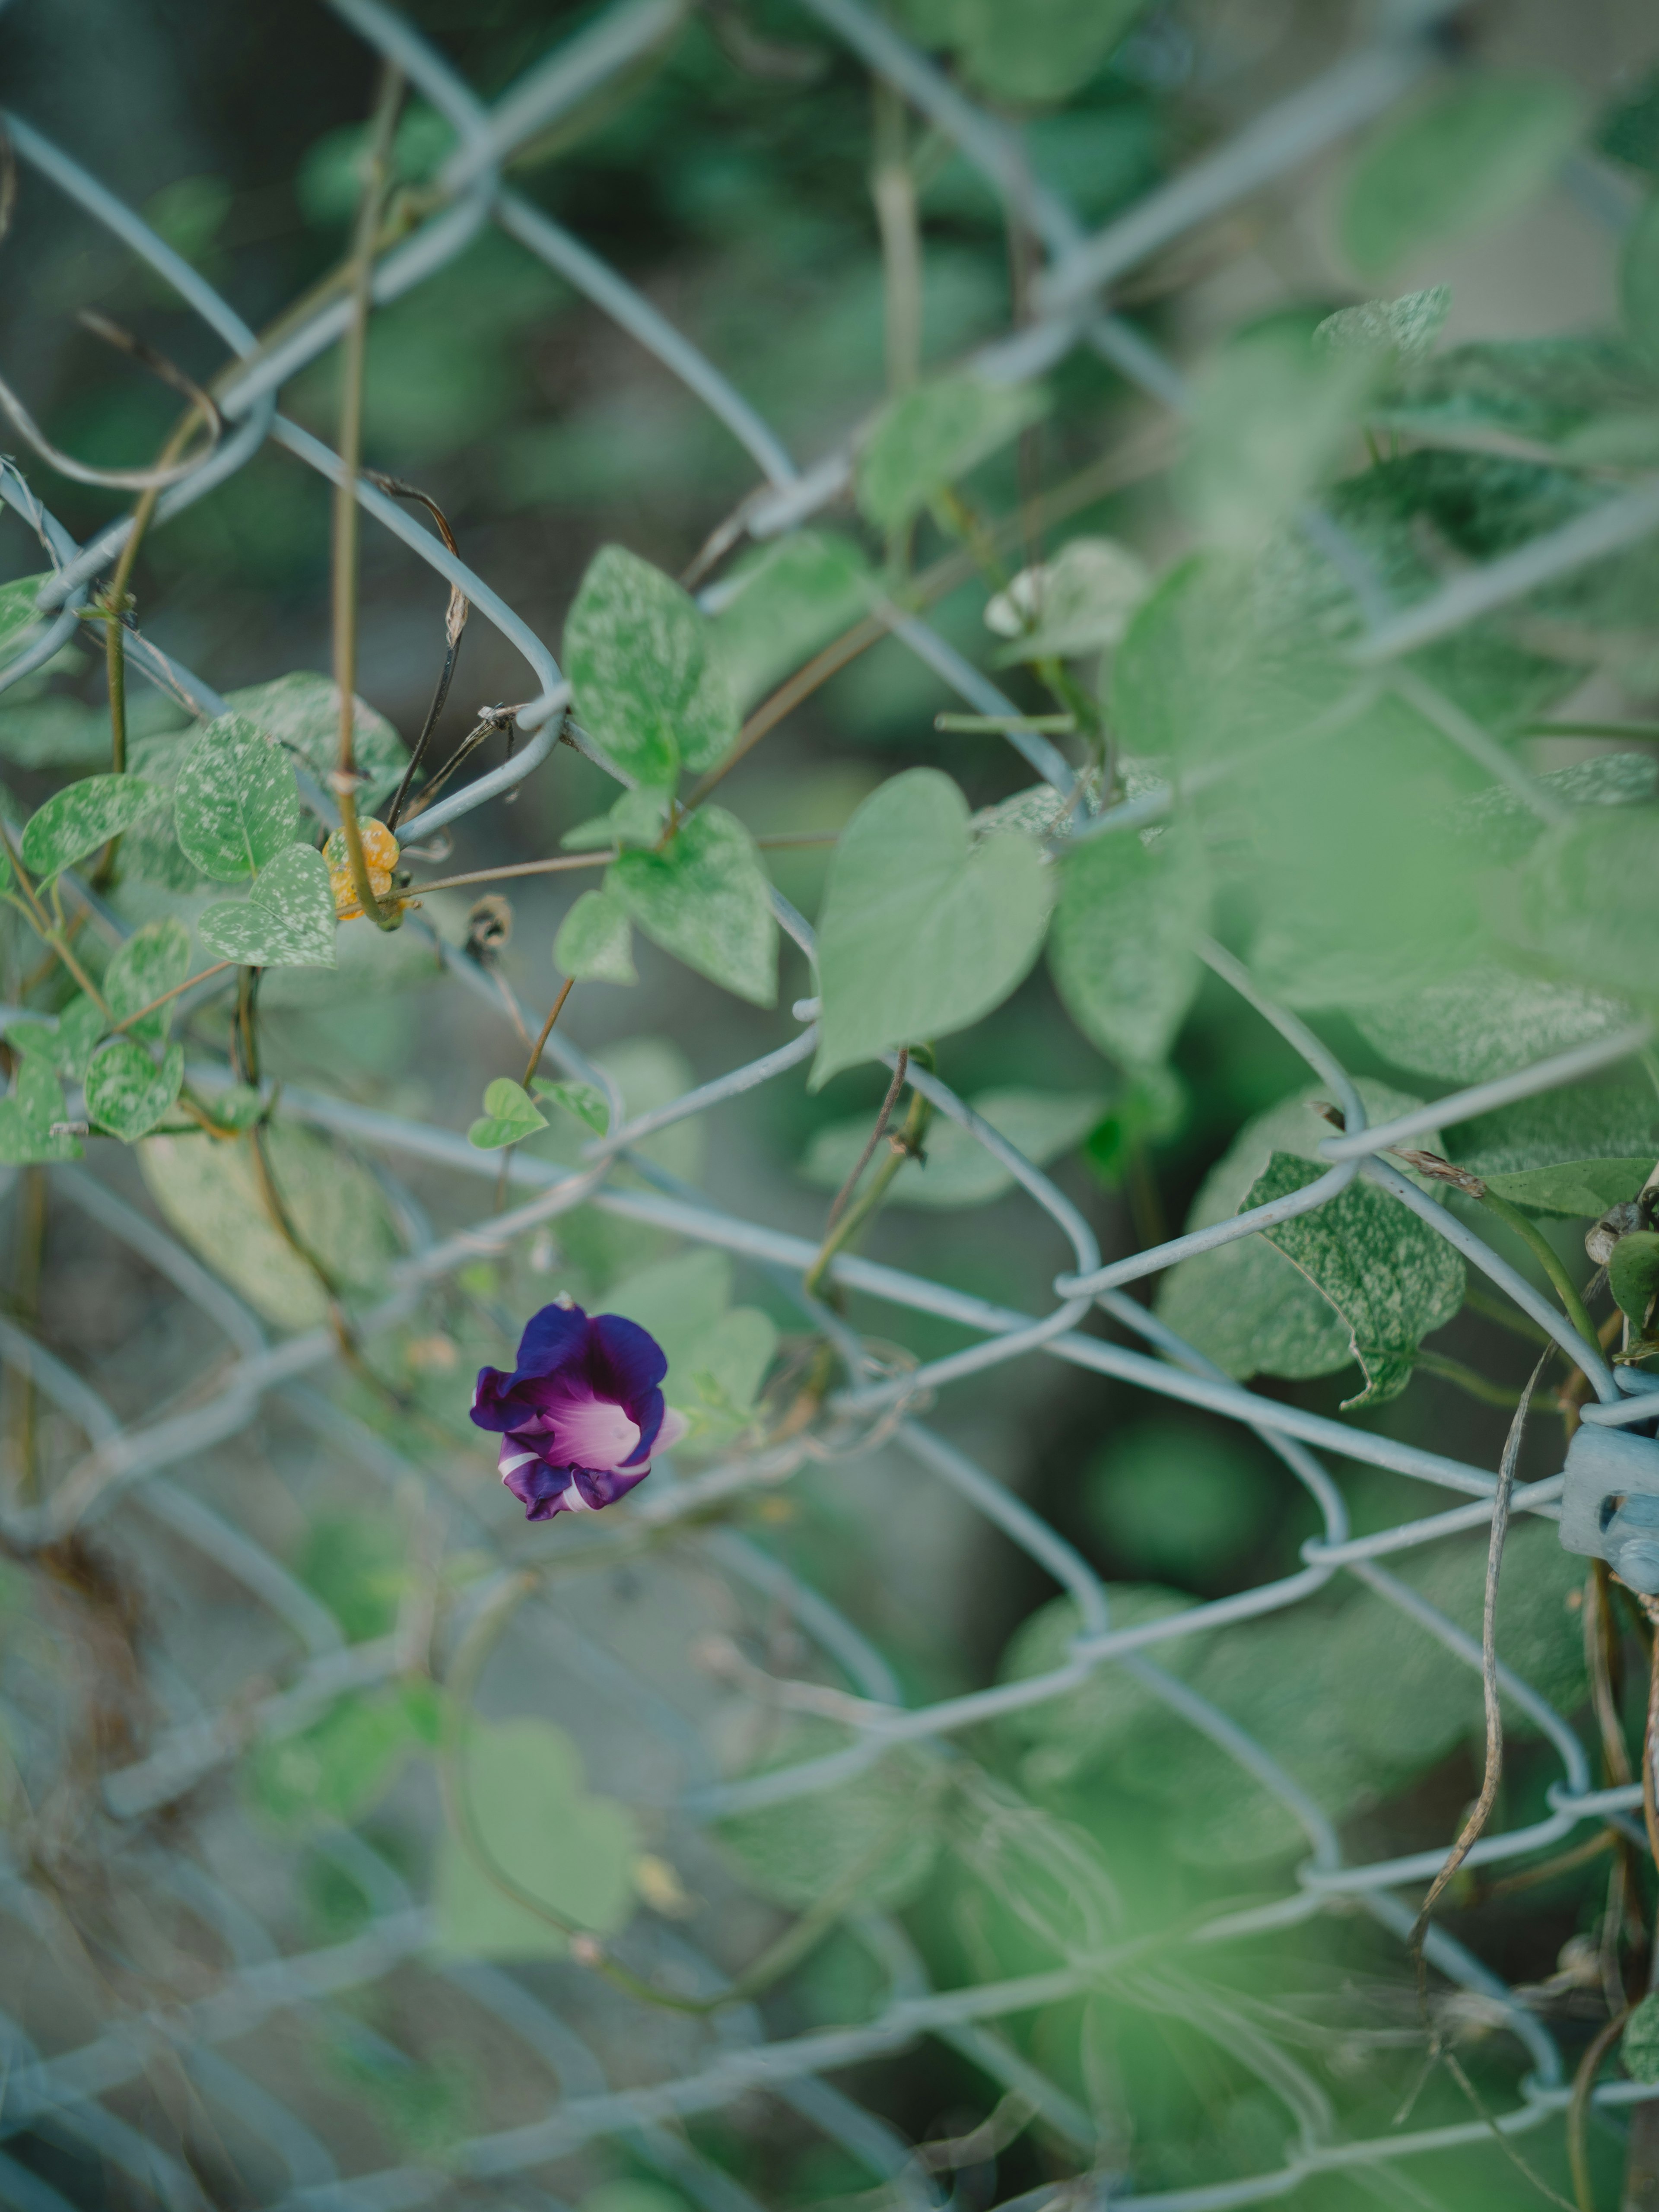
592, 1432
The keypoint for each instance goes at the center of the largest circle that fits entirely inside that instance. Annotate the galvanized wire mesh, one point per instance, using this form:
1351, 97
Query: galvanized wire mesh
73, 2096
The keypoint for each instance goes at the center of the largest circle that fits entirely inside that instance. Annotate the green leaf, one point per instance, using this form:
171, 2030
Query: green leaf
302, 711
677, 1299
26, 1116
647, 685
357, 1565
1589, 899
1204, 670
1485, 1022
341, 1767
778, 607
1122, 952
1084, 1729
54, 734
1407, 327
287, 922
1079, 603
18, 619
1638, 2045
153, 959
1391, 1277
928, 437
209, 1193
67, 1048
1153, 1105
1272, 416
127, 1093
923, 930
572, 1852
1575, 1150
723, 1372
1361, 889
238, 1106
1039, 53
1633, 1274
510, 1114
705, 898
957, 1169
78, 819
1244, 1305
595, 942
236, 805
585, 1100
1171, 1498
1552, 391
639, 817
1584, 1188
870, 1834
1473, 155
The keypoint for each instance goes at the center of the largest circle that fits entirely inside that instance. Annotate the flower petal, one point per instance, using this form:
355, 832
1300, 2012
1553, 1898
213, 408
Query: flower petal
490, 1407
542, 1491
625, 1362
589, 1431
597, 1487
648, 1412
554, 1339
674, 1426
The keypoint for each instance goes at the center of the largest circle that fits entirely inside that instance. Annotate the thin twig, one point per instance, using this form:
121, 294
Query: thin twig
1482, 1810
901, 1067
127, 1020
783, 842
1583, 2083
454, 622
540, 1045
376, 175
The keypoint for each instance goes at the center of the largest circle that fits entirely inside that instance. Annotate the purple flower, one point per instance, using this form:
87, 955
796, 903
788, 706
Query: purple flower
580, 1413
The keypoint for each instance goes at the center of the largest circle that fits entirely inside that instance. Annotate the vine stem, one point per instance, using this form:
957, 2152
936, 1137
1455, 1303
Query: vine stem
530, 1066
1548, 1260
371, 205
901, 1067
540, 1045
904, 1147
784, 841
127, 1020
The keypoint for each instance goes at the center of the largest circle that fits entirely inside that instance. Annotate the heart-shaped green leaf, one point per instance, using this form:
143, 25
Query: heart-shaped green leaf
924, 930
27, 1115
527, 1797
595, 942
1633, 1274
66, 1049
648, 687
288, 921
153, 959
1122, 952
301, 713
1390, 1275
236, 805
510, 1114
127, 1093
78, 819
1476, 153
585, 1100
705, 899
923, 440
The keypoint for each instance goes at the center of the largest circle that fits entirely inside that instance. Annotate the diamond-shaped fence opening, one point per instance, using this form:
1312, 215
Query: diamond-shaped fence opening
228, 1979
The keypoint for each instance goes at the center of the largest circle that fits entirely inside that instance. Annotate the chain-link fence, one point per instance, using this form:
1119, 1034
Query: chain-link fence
120, 2082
